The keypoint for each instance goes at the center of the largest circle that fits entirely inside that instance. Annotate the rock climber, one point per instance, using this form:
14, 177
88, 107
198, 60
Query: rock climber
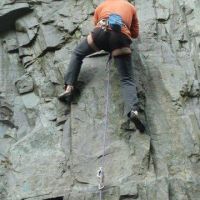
116, 22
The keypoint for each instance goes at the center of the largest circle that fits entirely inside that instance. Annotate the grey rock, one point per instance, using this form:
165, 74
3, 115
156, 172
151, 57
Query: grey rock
11, 41
50, 149
6, 112
158, 189
61, 120
11, 133
30, 100
191, 89
46, 90
48, 156
129, 190
195, 89
48, 111
10, 8
86, 27
3, 129
97, 2
178, 190
10, 13
66, 24
51, 38
162, 14
171, 84
25, 84
26, 29
78, 10
54, 76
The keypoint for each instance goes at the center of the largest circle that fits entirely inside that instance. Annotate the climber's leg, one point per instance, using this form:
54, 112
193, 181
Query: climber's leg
72, 73
79, 53
128, 87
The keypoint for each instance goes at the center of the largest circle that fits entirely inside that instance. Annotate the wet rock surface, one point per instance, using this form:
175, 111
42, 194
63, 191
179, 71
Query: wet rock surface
52, 150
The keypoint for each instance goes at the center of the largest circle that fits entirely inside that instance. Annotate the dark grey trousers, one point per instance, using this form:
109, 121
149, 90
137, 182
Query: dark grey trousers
124, 66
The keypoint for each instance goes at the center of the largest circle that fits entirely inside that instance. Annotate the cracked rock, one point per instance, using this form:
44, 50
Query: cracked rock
25, 84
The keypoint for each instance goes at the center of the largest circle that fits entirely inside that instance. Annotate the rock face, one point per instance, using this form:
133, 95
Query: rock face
50, 150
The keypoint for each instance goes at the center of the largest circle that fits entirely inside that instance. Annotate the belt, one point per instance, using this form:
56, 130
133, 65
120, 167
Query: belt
103, 23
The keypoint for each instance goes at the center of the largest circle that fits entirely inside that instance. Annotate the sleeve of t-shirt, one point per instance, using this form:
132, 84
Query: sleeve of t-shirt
96, 15
134, 29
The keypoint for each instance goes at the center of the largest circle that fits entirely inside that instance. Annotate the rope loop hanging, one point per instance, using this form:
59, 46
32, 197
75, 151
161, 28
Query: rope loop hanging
101, 173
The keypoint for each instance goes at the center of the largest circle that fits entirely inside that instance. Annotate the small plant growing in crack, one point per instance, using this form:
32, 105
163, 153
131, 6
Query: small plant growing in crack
6, 163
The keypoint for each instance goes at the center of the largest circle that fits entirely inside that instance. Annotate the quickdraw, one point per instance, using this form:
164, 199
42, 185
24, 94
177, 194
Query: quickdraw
100, 176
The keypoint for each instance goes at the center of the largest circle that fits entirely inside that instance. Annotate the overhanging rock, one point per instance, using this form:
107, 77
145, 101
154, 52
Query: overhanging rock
10, 13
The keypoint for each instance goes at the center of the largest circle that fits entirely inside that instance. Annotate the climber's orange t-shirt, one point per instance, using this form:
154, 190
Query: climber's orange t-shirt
123, 8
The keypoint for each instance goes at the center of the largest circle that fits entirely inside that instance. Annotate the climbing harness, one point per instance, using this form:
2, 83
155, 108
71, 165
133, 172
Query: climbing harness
113, 22
100, 175
100, 172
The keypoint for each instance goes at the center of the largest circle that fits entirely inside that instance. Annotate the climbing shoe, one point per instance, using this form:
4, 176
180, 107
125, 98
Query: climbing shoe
67, 95
133, 116
64, 95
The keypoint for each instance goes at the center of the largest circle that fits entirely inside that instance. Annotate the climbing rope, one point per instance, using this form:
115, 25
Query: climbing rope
100, 173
